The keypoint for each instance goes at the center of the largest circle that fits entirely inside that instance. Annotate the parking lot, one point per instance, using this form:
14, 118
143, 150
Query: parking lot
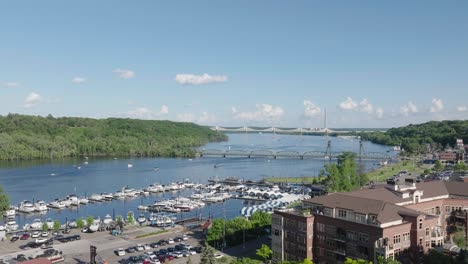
78, 251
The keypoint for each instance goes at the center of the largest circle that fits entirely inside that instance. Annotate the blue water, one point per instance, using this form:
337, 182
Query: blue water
47, 180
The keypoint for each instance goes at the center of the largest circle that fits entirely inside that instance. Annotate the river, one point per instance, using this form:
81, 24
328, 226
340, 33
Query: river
47, 180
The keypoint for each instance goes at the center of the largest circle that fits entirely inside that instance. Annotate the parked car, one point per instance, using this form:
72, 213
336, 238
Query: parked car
120, 252
139, 247
154, 245
146, 246
45, 234
177, 239
24, 236
170, 241
131, 249
184, 237
35, 234
41, 240
162, 242
177, 254
14, 238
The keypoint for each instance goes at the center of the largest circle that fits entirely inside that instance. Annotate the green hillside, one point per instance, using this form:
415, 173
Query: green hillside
35, 137
415, 138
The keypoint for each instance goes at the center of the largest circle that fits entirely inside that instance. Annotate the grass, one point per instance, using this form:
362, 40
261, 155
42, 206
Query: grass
305, 180
385, 172
152, 233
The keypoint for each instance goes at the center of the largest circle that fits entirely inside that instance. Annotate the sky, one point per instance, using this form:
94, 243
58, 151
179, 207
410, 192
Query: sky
237, 63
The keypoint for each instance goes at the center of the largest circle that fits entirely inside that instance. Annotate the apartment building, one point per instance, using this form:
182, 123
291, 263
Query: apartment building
395, 221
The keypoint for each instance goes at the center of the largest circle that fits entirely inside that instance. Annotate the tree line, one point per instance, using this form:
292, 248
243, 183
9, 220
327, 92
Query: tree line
416, 138
35, 137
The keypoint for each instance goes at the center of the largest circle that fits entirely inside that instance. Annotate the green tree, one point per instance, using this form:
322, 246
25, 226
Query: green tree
130, 218
4, 201
264, 252
438, 166
461, 166
120, 222
45, 227
382, 260
80, 223
356, 261
56, 225
207, 255
89, 221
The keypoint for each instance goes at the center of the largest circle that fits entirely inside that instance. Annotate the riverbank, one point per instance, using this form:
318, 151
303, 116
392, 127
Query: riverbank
385, 172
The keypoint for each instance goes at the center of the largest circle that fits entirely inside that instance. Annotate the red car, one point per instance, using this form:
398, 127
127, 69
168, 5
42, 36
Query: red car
166, 258
24, 236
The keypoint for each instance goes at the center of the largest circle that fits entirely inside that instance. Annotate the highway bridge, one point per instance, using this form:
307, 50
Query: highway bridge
283, 130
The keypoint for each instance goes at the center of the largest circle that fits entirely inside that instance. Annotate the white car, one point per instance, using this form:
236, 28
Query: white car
184, 237
35, 234
170, 241
120, 252
139, 247
45, 234
41, 240
218, 256
146, 246
150, 255
177, 254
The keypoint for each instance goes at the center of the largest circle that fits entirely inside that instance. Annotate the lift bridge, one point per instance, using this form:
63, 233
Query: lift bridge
327, 155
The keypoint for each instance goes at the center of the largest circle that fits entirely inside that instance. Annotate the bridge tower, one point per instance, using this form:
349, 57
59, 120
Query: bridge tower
245, 129
325, 123
328, 151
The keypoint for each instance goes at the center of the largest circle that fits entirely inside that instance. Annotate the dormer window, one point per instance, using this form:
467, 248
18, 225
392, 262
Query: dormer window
342, 213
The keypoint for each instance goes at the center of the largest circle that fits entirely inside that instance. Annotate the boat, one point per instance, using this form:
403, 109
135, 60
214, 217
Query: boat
143, 207
163, 221
40, 206
85, 163
129, 193
11, 225
171, 209
97, 220
36, 224
154, 188
119, 195
93, 227
107, 196
107, 219
66, 202
141, 219
10, 212
83, 200
130, 165
184, 207
50, 223
73, 200
26, 207
57, 204
95, 198
173, 187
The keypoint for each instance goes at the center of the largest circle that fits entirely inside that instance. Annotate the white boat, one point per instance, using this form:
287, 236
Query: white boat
184, 207
130, 165
57, 204
96, 220
73, 200
66, 202
10, 212
83, 200
40, 206
11, 225
173, 187
143, 207
107, 219
50, 223
197, 196
107, 196
36, 224
154, 188
93, 228
164, 221
119, 195
141, 218
26, 207
130, 192
171, 209
95, 198
85, 163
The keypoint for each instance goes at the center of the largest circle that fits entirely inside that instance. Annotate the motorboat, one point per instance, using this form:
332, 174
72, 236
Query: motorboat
73, 199
93, 227
26, 207
129, 165
130, 193
50, 223
11, 225
164, 221
144, 192
83, 200
107, 219
57, 204
36, 224
10, 212
40, 206
154, 188
173, 187
107, 196
171, 209
141, 219
66, 202
143, 207
95, 198
119, 195
197, 196
184, 207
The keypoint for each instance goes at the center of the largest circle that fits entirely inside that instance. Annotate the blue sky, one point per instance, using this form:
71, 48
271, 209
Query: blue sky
369, 63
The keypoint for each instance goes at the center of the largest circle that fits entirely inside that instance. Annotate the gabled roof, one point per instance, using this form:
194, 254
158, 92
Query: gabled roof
457, 188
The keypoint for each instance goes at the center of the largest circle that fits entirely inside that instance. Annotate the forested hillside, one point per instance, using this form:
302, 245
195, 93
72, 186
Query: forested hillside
35, 137
414, 138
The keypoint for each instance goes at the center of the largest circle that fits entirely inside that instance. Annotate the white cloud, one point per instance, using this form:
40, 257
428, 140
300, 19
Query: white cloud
78, 80
233, 110
437, 105
365, 106
32, 100
125, 74
12, 84
408, 108
310, 109
199, 79
348, 104
462, 108
146, 113
264, 112
164, 110
379, 112
206, 118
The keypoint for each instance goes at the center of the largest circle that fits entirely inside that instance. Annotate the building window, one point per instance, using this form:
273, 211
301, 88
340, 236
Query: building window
360, 218
396, 239
342, 213
428, 244
321, 227
420, 223
427, 231
447, 209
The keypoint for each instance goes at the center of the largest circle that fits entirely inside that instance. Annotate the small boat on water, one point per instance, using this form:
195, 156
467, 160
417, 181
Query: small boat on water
129, 165
11, 225
83, 200
107, 196
73, 200
143, 207
50, 223
10, 212
40, 206
26, 207
57, 204
141, 219
96, 198
36, 224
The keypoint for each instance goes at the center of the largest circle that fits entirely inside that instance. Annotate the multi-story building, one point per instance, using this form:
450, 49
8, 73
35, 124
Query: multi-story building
395, 221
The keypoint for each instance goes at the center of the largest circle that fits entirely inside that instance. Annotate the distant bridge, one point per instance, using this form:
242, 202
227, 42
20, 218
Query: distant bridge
287, 154
284, 130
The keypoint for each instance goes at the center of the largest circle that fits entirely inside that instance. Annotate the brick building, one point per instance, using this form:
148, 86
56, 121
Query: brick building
395, 221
